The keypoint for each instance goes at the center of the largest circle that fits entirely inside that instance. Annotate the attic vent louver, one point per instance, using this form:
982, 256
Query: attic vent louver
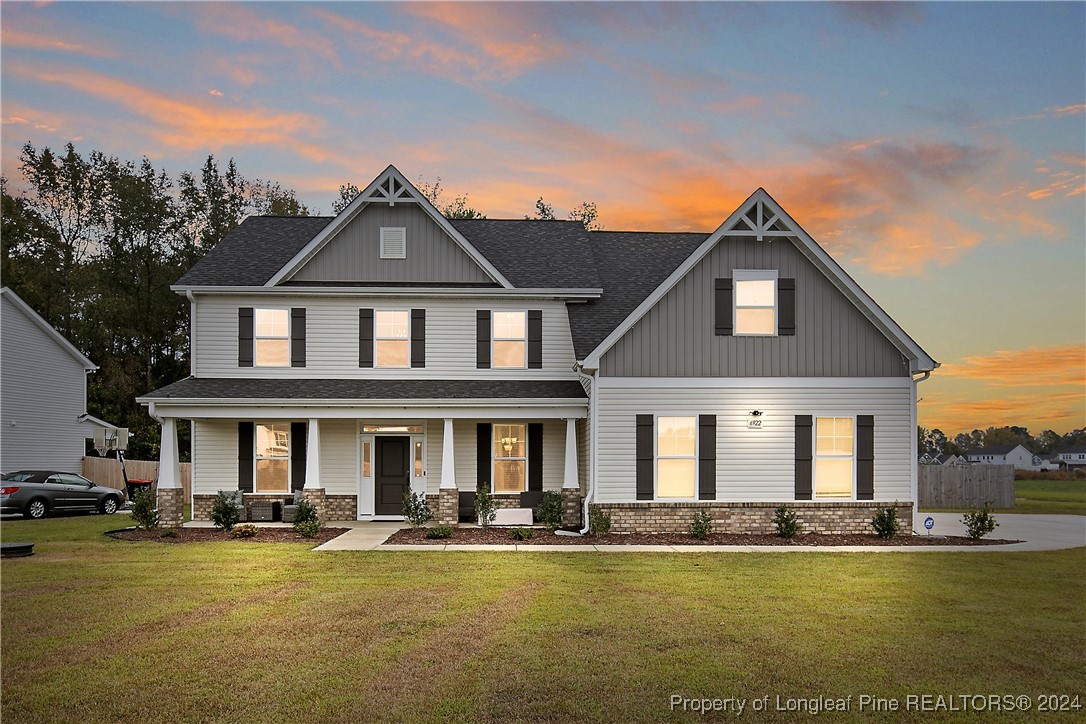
393, 242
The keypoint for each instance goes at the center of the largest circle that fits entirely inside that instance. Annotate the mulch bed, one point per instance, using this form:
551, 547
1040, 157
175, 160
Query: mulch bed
206, 535
500, 536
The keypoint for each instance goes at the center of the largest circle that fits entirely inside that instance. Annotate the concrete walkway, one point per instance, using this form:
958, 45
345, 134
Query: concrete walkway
362, 536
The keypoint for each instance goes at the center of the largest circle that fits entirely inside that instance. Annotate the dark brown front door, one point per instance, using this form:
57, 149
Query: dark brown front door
393, 471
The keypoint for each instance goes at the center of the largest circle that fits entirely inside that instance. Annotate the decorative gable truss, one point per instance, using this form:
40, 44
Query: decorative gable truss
391, 188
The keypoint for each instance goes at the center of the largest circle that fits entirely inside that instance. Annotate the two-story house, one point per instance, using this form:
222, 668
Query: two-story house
1073, 457
1010, 454
648, 375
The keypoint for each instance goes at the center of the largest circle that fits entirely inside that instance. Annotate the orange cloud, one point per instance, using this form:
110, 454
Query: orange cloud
1035, 366
240, 22
192, 125
1059, 411
19, 39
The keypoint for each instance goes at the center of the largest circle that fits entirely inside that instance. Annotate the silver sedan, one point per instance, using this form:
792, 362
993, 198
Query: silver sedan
38, 493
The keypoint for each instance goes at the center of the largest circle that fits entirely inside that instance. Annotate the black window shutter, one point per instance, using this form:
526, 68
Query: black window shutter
535, 338
245, 337
646, 454
535, 456
482, 339
786, 307
803, 457
722, 307
418, 337
246, 449
365, 338
297, 337
865, 457
298, 442
706, 457
483, 432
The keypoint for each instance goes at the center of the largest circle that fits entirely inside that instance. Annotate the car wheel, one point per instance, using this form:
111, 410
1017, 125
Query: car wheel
109, 505
36, 509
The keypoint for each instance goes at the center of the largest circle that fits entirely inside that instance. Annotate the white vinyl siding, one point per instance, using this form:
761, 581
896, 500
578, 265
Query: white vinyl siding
332, 338
339, 457
215, 465
754, 465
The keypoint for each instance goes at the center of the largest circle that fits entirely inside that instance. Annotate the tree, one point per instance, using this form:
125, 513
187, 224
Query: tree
936, 442
1047, 442
211, 206
587, 214
347, 193
268, 198
543, 211
963, 442
456, 209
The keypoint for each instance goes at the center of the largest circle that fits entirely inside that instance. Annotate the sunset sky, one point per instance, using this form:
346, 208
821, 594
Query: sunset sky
936, 150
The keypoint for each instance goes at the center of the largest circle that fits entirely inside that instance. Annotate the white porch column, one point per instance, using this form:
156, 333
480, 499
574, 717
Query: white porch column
570, 478
169, 474
313, 456
448, 465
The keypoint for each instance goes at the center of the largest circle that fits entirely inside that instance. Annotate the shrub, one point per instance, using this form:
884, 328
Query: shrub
144, 510
247, 530
885, 522
439, 532
785, 520
416, 510
521, 533
169, 533
308, 528
484, 506
979, 523
599, 522
550, 510
224, 510
702, 525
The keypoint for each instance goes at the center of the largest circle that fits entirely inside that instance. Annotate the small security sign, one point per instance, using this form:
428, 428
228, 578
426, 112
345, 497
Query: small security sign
929, 522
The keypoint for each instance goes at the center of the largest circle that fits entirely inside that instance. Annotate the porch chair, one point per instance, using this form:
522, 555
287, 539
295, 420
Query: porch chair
290, 509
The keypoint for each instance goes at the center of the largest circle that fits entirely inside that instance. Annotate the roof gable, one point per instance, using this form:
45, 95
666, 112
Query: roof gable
391, 188
16, 301
761, 218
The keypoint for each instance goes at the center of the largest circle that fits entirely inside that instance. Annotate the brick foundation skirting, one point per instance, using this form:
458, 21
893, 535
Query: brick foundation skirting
813, 517
337, 507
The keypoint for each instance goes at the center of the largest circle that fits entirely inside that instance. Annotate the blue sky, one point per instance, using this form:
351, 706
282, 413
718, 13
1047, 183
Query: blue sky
937, 150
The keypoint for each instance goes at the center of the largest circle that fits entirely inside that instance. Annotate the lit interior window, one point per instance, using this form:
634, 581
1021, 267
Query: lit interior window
676, 457
756, 306
834, 457
510, 458
273, 458
272, 339
510, 339
392, 345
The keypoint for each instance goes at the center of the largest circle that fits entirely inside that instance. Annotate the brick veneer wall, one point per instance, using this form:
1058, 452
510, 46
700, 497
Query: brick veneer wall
338, 507
816, 517
341, 507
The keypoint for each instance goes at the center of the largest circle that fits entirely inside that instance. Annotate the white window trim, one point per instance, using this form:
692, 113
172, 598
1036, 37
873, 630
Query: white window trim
494, 338
381, 250
755, 275
656, 456
494, 459
257, 337
289, 458
377, 339
814, 457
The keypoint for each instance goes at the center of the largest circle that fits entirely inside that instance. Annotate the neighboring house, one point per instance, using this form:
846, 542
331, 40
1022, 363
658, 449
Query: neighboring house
1016, 455
946, 459
929, 459
1073, 457
1046, 462
649, 375
43, 393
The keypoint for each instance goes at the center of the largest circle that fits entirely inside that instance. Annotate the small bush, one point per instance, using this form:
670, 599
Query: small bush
885, 522
439, 532
484, 506
224, 510
521, 533
599, 522
979, 523
144, 510
416, 510
169, 533
308, 529
701, 527
550, 510
247, 530
785, 520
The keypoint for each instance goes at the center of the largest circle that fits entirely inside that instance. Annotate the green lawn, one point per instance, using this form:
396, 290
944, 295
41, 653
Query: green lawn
95, 629
1052, 497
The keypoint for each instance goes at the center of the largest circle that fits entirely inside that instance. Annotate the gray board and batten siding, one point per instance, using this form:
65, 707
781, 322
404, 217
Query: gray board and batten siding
676, 338
354, 254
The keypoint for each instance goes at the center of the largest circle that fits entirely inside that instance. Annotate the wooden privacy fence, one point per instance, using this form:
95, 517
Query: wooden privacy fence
966, 486
107, 471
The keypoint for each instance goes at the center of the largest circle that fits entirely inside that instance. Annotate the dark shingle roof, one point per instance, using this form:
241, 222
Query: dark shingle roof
368, 389
996, 450
533, 253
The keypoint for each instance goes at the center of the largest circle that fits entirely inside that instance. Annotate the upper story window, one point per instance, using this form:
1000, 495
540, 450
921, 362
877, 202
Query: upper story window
755, 302
835, 457
272, 459
676, 457
272, 337
392, 338
510, 339
393, 242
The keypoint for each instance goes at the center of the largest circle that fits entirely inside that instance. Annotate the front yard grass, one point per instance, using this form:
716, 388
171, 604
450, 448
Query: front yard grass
1050, 497
95, 629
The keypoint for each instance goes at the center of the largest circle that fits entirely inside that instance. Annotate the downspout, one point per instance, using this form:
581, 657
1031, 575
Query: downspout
192, 332
590, 488
915, 464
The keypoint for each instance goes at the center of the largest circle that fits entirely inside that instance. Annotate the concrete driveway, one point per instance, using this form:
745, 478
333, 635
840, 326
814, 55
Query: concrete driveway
1037, 532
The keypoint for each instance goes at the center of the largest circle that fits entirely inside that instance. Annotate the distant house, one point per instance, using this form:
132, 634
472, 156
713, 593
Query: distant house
1046, 462
928, 459
1016, 455
1073, 457
946, 459
43, 392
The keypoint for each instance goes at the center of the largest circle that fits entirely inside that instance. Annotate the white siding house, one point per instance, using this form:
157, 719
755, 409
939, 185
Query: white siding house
43, 392
1016, 455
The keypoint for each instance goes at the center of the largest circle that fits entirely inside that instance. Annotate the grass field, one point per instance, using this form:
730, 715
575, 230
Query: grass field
95, 629
1052, 497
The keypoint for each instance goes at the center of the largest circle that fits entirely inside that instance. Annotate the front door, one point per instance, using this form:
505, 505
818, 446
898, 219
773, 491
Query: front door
392, 480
